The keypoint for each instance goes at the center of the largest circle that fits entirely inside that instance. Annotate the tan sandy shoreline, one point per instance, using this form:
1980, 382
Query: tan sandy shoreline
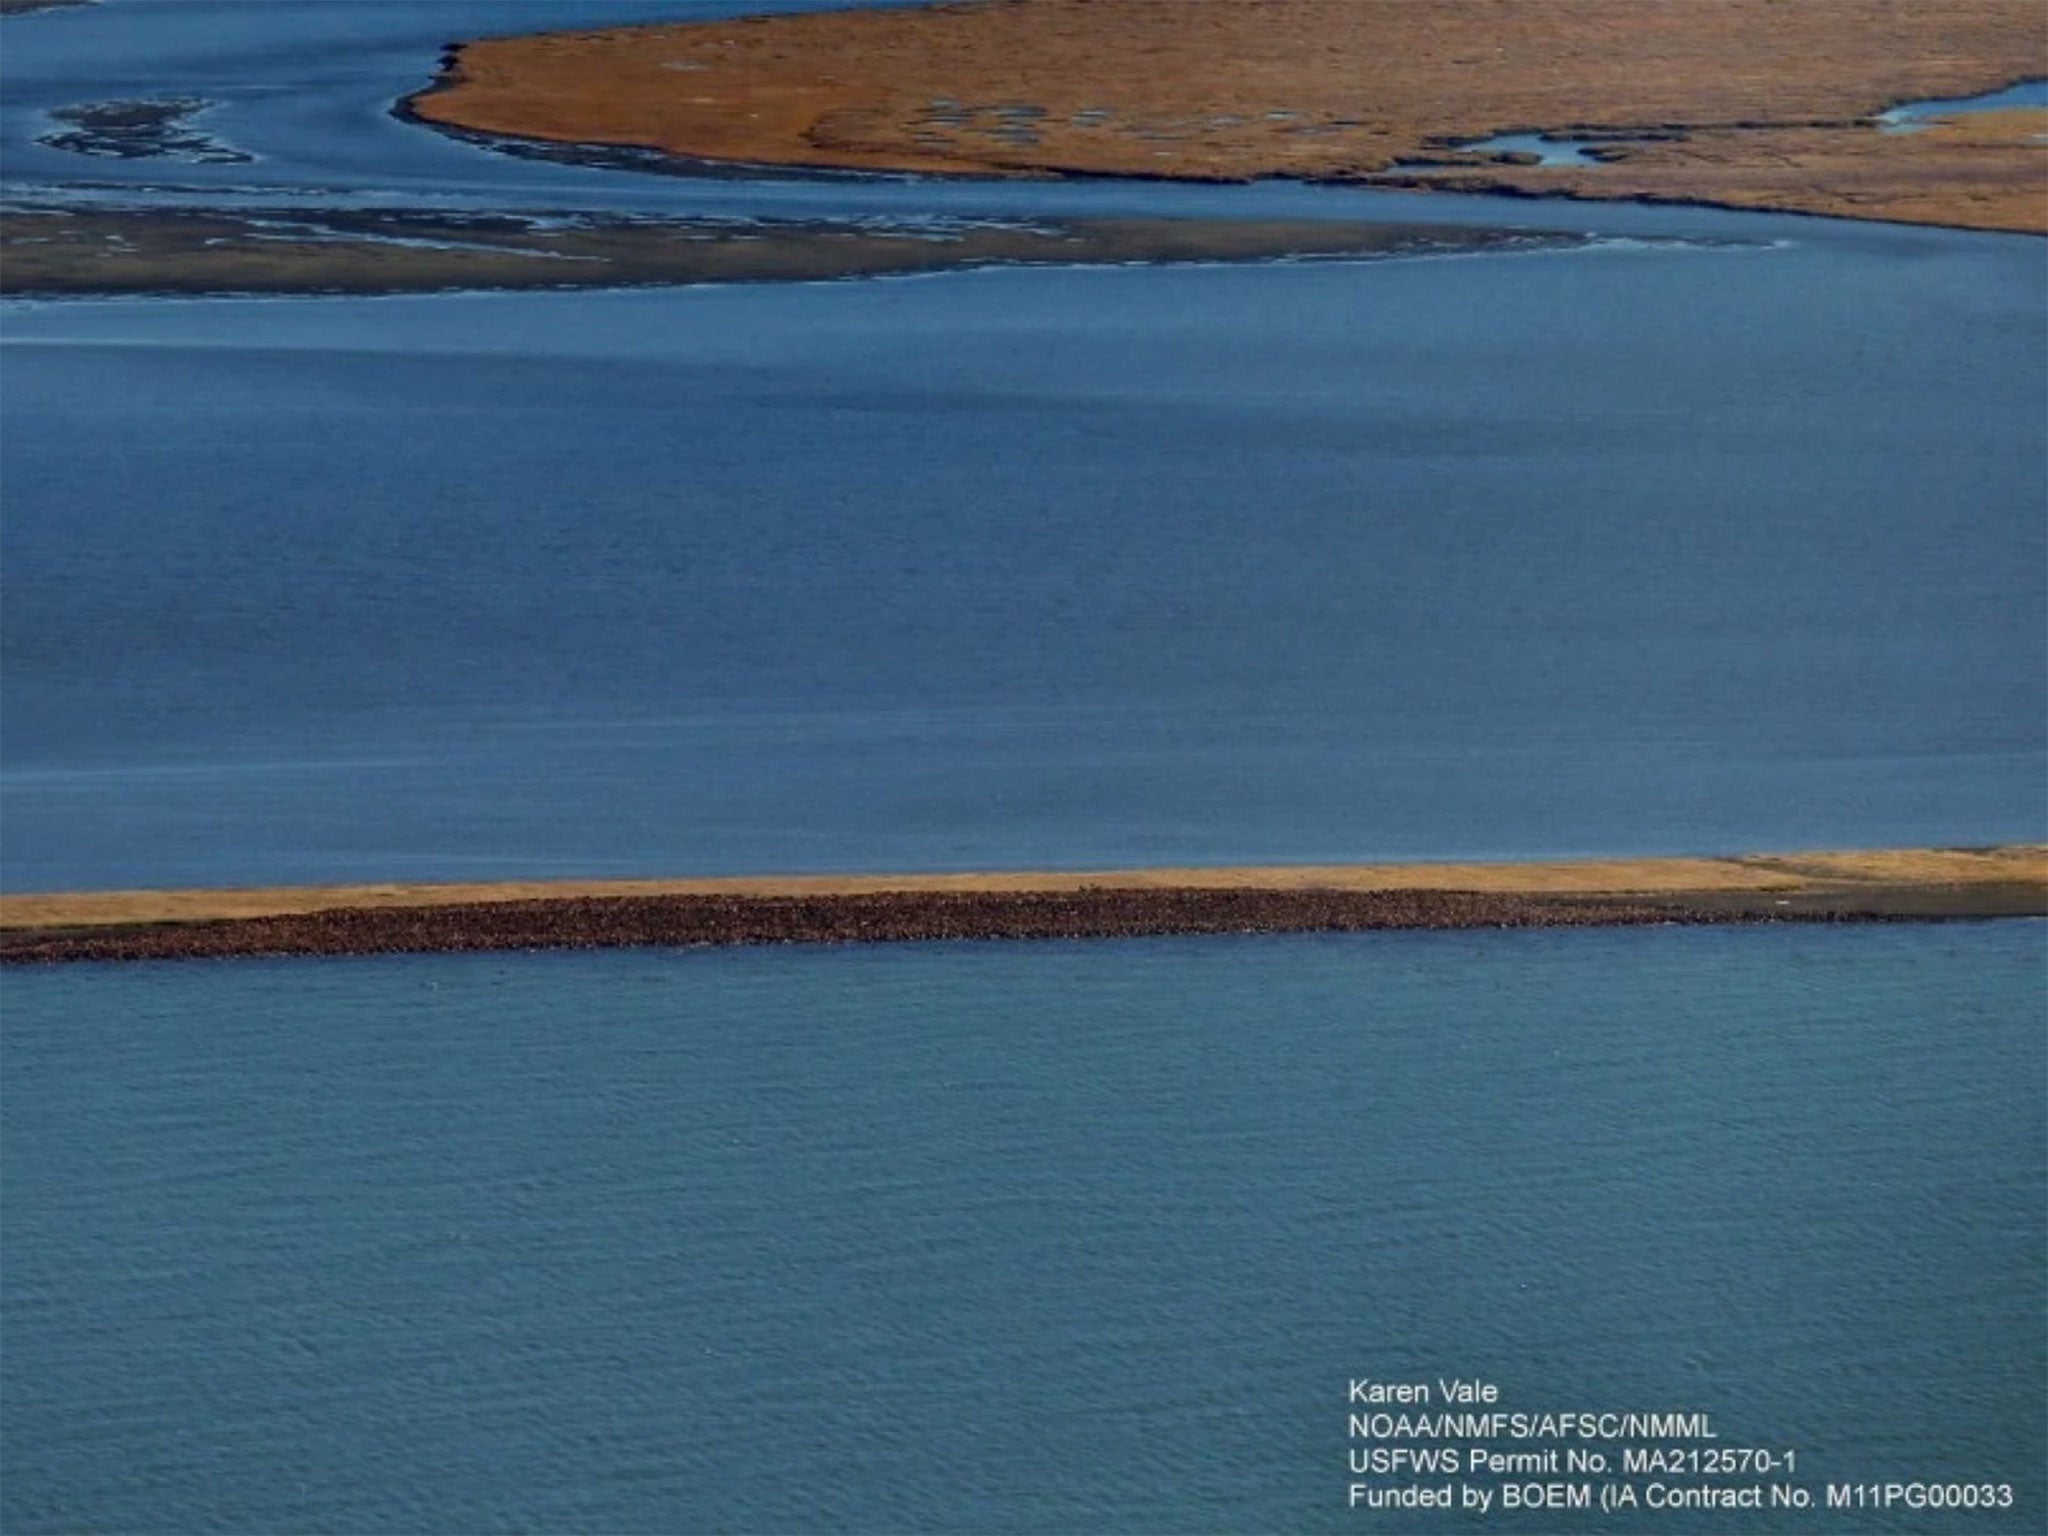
1827, 886
1743, 103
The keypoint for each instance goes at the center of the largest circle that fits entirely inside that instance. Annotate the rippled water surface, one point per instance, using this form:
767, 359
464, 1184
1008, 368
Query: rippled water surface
1080, 1237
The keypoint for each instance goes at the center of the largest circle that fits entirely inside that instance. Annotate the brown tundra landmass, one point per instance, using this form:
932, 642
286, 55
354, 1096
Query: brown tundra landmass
1753, 103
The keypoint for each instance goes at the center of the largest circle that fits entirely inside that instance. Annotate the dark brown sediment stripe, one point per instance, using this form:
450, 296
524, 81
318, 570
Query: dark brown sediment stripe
896, 916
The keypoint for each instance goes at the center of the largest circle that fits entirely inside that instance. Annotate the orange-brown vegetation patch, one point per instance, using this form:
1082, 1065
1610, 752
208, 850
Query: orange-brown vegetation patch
1773, 98
1976, 171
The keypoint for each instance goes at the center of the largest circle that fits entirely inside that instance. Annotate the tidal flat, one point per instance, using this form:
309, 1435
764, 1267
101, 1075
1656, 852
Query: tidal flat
51, 251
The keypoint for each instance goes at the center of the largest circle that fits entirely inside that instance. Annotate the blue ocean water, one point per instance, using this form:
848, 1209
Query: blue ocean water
1075, 1237
1640, 548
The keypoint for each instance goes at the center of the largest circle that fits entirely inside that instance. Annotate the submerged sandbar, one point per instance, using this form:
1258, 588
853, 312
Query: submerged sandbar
68, 252
1861, 886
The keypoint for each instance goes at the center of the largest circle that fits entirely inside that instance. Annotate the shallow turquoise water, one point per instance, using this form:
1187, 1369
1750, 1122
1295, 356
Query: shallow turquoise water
1080, 1237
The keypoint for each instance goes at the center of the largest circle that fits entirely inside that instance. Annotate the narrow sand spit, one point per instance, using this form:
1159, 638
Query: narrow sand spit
1752, 103
364, 919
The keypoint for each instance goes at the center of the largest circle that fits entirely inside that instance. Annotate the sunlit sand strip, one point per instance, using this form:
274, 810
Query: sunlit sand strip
1839, 873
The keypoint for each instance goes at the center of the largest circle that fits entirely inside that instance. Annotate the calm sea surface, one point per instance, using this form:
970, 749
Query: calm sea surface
1056, 1237
1635, 549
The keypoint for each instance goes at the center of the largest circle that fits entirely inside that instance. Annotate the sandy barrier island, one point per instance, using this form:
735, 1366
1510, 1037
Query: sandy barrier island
1746, 103
1866, 886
